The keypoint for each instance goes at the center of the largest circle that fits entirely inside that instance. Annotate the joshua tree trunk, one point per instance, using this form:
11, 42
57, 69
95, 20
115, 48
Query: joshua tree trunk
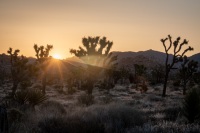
177, 56
44, 85
14, 88
165, 86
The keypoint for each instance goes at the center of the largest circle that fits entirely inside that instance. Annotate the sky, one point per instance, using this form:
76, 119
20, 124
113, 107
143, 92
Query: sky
132, 25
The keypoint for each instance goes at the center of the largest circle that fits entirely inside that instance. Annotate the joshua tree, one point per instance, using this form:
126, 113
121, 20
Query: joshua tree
94, 49
95, 52
187, 70
109, 65
139, 70
157, 74
3, 75
177, 47
19, 69
42, 55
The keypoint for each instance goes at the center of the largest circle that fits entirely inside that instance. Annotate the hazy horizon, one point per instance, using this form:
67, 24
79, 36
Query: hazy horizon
133, 25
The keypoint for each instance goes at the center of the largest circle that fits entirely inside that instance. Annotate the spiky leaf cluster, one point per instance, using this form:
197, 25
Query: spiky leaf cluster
42, 53
94, 49
20, 71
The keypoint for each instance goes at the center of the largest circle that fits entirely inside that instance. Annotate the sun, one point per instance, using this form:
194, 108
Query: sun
56, 56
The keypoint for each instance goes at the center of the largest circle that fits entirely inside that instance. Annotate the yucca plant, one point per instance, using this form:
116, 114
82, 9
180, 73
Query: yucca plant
21, 97
32, 97
35, 97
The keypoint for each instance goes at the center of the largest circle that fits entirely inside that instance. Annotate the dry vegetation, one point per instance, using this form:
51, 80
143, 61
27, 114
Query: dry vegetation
124, 109
52, 96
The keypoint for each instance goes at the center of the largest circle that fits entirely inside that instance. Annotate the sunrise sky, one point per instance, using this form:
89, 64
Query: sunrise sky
133, 25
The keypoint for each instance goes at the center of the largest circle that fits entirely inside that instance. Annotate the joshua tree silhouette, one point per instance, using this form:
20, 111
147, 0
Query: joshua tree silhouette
176, 46
42, 55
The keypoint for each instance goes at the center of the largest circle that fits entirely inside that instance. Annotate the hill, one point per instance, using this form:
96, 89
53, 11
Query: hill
149, 58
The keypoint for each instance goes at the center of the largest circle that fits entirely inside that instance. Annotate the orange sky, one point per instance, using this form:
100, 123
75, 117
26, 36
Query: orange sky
133, 25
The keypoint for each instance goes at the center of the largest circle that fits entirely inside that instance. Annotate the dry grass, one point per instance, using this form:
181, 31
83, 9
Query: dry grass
124, 109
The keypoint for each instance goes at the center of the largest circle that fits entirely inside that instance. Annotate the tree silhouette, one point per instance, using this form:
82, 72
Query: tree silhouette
95, 49
187, 70
139, 70
157, 74
95, 52
42, 54
177, 57
19, 69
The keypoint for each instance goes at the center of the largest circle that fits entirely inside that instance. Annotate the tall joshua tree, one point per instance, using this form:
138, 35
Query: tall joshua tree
177, 56
187, 70
42, 54
18, 69
96, 50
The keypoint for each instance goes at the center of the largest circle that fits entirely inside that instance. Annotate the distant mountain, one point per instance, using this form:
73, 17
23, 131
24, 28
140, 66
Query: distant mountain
150, 54
195, 57
149, 58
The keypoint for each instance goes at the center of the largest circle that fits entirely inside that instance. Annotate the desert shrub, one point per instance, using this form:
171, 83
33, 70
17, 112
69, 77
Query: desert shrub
144, 88
52, 125
71, 90
154, 98
52, 107
176, 83
165, 127
191, 105
32, 97
72, 124
59, 88
94, 119
107, 99
171, 114
21, 96
25, 84
14, 115
86, 99
121, 117
37, 86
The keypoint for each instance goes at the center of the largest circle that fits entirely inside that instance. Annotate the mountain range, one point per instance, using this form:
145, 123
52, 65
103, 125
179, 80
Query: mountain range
148, 58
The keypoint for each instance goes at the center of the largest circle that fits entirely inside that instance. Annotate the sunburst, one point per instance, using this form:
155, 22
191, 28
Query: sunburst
57, 56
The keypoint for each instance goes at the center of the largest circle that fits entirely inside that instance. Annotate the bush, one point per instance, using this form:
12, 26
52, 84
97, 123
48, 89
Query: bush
86, 99
32, 97
176, 83
171, 114
121, 117
106, 99
71, 90
94, 119
52, 107
14, 115
191, 105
